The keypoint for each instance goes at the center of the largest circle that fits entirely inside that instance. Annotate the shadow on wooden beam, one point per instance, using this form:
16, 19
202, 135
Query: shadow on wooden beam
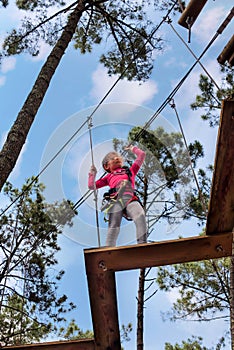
101, 264
86, 344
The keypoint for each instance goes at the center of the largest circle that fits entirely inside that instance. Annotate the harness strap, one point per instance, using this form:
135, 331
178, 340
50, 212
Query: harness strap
114, 195
106, 207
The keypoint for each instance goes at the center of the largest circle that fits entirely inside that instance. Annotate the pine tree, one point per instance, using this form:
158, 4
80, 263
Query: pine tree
159, 183
29, 281
124, 24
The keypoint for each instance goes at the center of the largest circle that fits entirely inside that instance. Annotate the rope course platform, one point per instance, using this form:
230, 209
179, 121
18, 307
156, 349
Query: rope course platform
102, 263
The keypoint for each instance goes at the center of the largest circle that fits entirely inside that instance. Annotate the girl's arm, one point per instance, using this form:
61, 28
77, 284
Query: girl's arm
139, 160
91, 179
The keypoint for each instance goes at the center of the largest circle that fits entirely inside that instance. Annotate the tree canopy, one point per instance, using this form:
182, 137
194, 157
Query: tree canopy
29, 279
210, 99
125, 26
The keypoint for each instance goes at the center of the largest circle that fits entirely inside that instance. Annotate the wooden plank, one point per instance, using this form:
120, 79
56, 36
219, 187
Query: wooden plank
83, 344
158, 253
227, 53
220, 216
102, 262
191, 12
103, 302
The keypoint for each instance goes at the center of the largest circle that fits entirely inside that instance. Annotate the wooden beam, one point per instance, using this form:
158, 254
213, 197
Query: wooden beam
83, 344
227, 53
103, 302
221, 207
158, 253
102, 262
191, 13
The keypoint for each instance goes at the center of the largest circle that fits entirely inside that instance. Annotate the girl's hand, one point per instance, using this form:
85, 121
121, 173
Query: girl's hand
93, 170
129, 148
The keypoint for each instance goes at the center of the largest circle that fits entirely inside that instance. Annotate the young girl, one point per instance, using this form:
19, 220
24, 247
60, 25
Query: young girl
122, 185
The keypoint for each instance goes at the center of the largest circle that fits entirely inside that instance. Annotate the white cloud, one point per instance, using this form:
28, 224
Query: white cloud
3, 138
214, 70
207, 24
43, 54
124, 91
8, 64
189, 89
17, 168
2, 80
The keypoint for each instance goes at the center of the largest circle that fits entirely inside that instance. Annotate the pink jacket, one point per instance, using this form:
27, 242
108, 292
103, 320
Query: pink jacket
114, 179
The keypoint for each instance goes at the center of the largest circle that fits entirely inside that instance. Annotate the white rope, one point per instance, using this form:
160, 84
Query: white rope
190, 50
95, 189
172, 103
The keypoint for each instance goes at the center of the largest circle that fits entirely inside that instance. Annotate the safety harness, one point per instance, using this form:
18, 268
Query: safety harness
115, 195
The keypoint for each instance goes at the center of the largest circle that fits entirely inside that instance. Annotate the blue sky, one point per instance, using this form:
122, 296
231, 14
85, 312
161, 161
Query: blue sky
78, 86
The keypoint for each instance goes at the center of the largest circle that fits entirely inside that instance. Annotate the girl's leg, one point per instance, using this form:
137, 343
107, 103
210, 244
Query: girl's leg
137, 214
115, 217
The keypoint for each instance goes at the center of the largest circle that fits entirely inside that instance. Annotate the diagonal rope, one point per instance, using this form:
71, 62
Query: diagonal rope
93, 112
163, 105
191, 51
177, 87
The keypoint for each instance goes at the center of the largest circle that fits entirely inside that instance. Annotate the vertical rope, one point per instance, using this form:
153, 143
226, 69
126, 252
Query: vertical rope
95, 189
172, 103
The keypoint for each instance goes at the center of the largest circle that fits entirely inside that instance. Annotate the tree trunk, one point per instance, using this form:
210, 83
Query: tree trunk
232, 297
141, 286
19, 131
140, 310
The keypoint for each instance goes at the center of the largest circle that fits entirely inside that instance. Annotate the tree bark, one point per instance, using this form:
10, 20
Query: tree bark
141, 286
140, 310
19, 130
232, 297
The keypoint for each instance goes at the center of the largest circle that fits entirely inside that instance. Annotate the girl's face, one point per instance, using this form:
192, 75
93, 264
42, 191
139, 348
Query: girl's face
115, 161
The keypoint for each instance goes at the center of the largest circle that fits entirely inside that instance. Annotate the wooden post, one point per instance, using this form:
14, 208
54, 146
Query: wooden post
103, 302
102, 262
191, 13
221, 207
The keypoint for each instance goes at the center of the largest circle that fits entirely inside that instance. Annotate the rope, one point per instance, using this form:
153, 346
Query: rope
94, 111
148, 41
190, 50
173, 92
44, 168
95, 189
173, 106
163, 105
